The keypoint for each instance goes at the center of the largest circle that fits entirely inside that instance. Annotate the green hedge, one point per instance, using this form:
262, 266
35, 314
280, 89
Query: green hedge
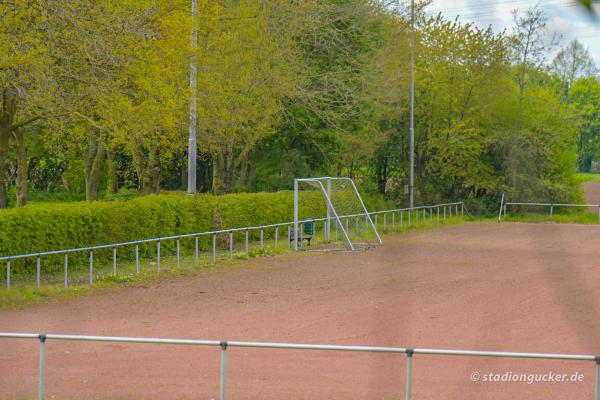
57, 226
69, 225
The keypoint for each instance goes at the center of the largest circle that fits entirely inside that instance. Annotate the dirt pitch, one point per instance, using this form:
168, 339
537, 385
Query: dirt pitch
487, 286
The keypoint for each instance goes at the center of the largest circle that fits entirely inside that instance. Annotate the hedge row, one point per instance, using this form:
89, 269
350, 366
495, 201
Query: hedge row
45, 227
67, 225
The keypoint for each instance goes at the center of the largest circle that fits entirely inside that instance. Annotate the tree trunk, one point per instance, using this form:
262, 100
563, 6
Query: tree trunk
93, 164
4, 136
217, 178
229, 169
184, 171
7, 117
112, 184
150, 180
22, 168
223, 168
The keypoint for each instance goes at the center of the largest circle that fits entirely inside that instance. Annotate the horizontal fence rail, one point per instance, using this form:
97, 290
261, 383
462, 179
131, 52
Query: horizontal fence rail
225, 345
421, 212
504, 205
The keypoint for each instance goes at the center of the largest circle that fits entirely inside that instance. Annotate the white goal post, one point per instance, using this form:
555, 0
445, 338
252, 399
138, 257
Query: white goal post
336, 204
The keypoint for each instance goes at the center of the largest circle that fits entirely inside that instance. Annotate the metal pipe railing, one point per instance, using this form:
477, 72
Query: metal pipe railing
225, 345
503, 206
447, 207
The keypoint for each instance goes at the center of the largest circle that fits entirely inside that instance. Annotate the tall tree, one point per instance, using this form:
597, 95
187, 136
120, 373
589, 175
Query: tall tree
573, 62
25, 72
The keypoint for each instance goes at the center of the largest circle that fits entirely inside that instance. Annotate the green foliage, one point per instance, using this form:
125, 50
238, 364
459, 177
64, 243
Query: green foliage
584, 94
579, 217
588, 178
288, 89
61, 226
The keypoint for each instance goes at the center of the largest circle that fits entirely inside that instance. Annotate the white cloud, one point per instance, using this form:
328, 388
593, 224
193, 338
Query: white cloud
564, 19
503, 13
559, 25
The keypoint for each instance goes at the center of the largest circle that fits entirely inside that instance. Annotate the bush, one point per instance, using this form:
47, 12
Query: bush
43, 227
57, 226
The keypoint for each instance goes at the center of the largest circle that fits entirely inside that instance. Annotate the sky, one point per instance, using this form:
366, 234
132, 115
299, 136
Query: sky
565, 18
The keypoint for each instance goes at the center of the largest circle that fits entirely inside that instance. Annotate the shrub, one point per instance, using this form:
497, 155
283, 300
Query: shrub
44, 227
57, 226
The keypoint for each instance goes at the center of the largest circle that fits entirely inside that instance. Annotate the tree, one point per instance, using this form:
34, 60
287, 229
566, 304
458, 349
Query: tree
584, 94
25, 73
243, 72
529, 43
573, 62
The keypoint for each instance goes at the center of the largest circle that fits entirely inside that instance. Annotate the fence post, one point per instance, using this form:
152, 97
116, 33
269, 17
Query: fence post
66, 269
8, 274
262, 238
38, 271
115, 260
223, 345
409, 358
276, 236
417, 220
462, 209
444, 212
393, 221
214, 248
178, 258
409, 212
158, 256
384, 222
42, 388
196, 257
289, 239
247, 243
91, 266
337, 229
597, 378
231, 244
137, 258
438, 214
551, 209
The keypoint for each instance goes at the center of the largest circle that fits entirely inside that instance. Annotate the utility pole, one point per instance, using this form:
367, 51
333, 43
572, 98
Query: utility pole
192, 143
411, 182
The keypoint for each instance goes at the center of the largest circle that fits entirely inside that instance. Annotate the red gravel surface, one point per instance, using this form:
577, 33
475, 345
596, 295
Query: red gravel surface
480, 286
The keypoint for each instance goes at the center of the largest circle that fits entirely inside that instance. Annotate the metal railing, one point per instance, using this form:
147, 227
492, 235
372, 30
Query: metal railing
413, 215
225, 345
550, 206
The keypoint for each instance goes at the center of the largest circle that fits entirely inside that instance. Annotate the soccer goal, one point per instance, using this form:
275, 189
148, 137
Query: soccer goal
331, 211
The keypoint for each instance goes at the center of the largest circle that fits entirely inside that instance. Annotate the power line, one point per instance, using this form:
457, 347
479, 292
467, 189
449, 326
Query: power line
492, 5
491, 10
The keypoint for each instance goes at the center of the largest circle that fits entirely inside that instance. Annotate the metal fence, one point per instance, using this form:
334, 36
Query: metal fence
225, 345
396, 217
550, 206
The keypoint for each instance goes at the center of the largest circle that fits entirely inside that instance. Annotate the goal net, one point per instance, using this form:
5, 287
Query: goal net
330, 212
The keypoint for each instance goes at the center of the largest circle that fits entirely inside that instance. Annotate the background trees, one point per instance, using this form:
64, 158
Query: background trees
94, 100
